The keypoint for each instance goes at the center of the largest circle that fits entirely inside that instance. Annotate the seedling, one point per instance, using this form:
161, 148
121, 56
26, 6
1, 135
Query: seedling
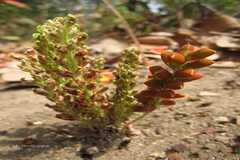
68, 74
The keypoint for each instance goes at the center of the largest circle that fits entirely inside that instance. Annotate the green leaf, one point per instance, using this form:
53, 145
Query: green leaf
72, 62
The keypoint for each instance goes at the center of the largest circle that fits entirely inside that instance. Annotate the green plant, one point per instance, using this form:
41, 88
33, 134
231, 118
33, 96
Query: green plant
66, 72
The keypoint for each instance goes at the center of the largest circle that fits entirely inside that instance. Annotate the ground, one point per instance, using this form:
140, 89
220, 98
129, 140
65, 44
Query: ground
204, 126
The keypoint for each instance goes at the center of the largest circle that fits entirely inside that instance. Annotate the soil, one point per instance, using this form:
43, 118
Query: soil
203, 126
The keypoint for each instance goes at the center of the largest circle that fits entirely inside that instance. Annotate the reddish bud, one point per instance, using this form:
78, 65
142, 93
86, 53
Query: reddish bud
173, 58
81, 53
106, 76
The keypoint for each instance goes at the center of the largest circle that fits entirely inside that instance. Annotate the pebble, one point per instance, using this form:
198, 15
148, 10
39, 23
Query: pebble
158, 155
3, 132
29, 141
208, 94
90, 150
238, 120
222, 139
222, 120
30, 123
206, 104
147, 132
180, 115
124, 143
181, 147
158, 131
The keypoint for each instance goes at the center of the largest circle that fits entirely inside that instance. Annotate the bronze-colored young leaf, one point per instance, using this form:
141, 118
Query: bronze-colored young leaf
153, 83
188, 75
187, 48
167, 102
198, 63
173, 85
159, 72
172, 59
200, 53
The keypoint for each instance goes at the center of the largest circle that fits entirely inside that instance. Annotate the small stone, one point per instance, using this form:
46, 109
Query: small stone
180, 115
206, 104
222, 139
222, 120
124, 143
208, 94
147, 132
3, 132
29, 141
90, 150
210, 146
181, 147
158, 155
174, 156
30, 123
194, 99
158, 131
238, 120
131, 131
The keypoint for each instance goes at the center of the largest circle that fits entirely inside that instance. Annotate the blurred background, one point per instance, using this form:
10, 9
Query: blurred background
205, 125
18, 18
154, 23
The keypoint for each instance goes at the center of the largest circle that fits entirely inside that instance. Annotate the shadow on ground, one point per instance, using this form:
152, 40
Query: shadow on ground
25, 143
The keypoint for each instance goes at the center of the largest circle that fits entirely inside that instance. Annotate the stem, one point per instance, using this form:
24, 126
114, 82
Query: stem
138, 118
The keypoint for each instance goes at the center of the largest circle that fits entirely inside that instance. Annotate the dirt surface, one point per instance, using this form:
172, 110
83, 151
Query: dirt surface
204, 126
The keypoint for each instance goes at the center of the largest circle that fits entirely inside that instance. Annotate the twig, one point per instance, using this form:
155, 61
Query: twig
126, 26
137, 119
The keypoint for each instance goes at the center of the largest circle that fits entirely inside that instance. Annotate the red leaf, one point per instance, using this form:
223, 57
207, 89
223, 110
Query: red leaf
188, 75
173, 85
159, 72
167, 102
173, 59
